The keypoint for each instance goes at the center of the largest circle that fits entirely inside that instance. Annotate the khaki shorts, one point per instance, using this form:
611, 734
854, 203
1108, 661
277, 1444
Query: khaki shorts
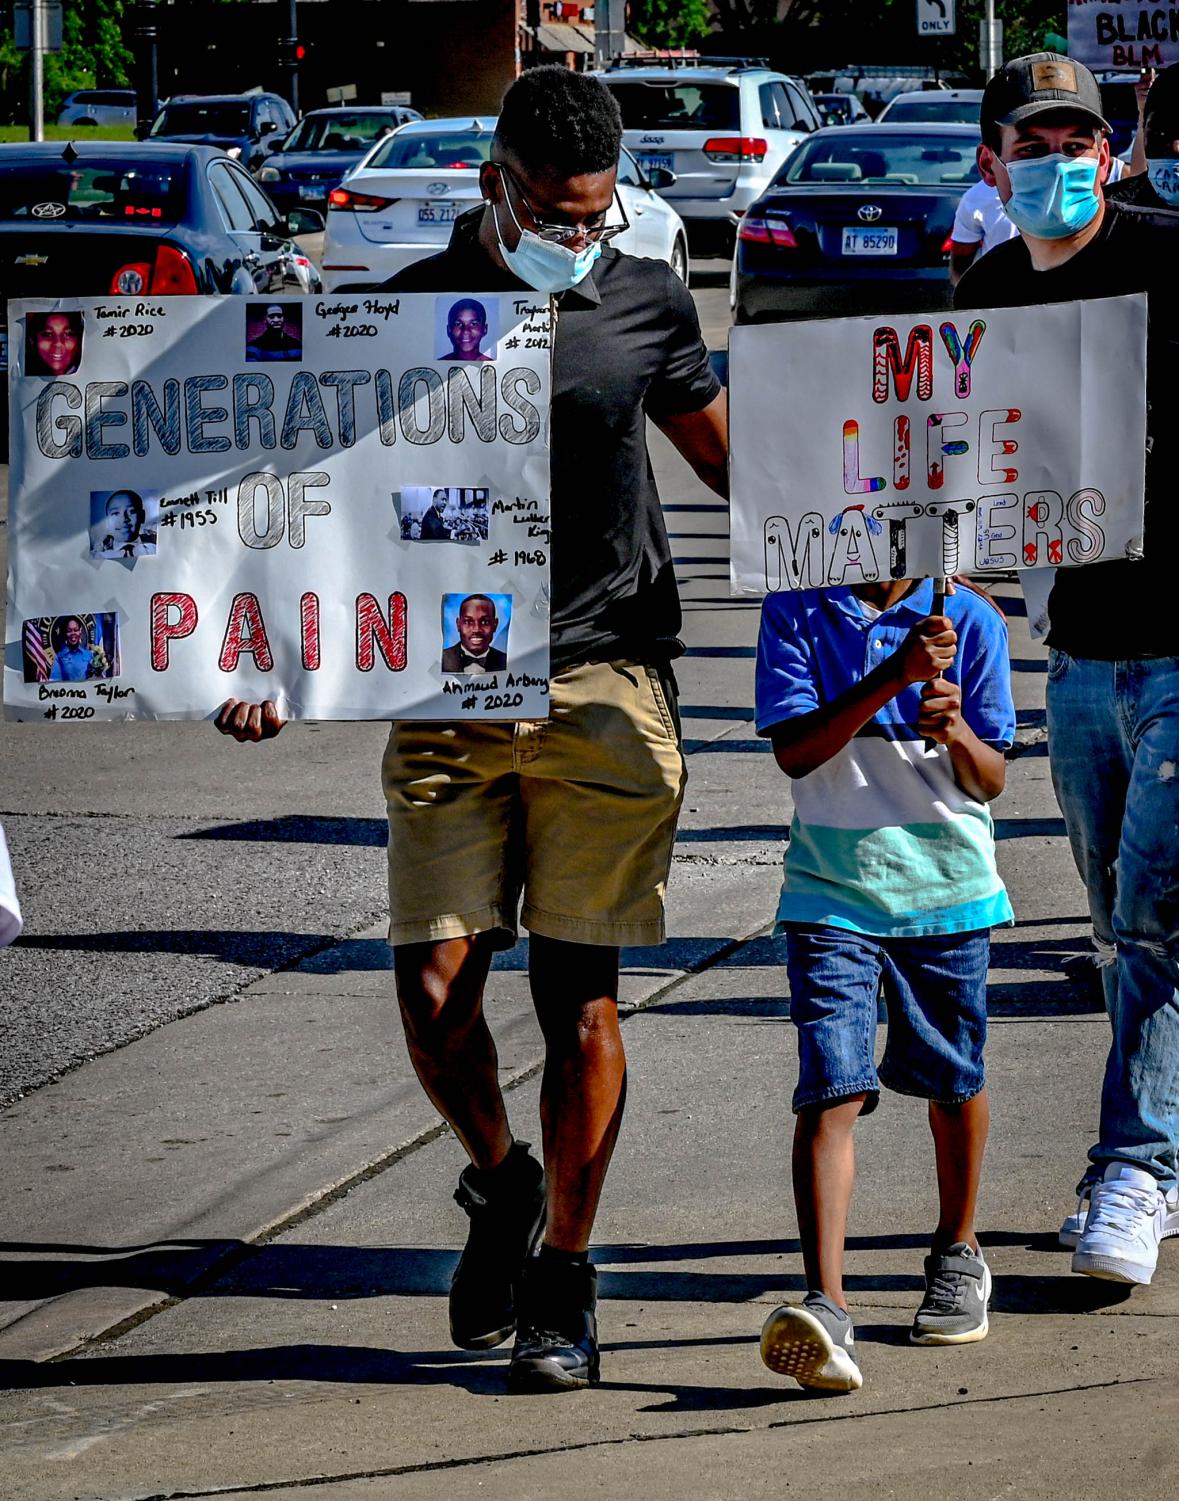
575, 813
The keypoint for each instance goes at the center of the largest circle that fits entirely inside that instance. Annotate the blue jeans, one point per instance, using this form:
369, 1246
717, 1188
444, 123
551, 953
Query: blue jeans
1113, 730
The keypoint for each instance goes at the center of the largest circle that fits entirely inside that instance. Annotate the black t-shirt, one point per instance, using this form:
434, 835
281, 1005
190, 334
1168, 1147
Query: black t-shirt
1114, 610
627, 346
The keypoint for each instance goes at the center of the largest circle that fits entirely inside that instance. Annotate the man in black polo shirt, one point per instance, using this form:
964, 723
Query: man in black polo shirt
1113, 667
575, 813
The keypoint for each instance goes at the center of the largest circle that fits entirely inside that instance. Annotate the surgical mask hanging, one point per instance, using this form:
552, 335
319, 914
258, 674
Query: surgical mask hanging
1054, 196
542, 265
1163, 172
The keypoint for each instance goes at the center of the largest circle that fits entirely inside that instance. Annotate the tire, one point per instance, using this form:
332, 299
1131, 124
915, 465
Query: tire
679, 259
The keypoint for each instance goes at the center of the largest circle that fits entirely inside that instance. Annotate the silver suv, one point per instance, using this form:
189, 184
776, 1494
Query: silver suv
723, 130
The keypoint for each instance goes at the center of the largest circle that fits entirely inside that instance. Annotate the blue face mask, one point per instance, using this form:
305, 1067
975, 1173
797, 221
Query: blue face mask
1163, 172
1052, 197
544, 265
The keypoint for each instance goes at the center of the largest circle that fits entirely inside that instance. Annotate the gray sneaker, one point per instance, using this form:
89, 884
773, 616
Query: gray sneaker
957, 1289
815, 1344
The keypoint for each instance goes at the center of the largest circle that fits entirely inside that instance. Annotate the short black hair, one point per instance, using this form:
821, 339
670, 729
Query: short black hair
561, 122
1161, 116
467, 305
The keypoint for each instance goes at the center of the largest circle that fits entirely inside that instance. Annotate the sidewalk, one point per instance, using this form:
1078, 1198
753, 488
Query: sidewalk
263, 1188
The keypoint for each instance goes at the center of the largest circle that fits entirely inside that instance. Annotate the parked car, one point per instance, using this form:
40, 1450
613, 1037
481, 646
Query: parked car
323, 148
399, 205
840, 109
106, 219
857, 221
247, 126
98, 107
930, 106
722, 131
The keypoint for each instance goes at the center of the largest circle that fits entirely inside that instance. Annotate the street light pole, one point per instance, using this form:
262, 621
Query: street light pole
288, 51
36, 70
146, 67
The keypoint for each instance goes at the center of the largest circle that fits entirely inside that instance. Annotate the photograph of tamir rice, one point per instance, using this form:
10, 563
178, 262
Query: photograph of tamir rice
123, 523
53, 343
71, 648
475, 633
274, 331
467, 330
442, 513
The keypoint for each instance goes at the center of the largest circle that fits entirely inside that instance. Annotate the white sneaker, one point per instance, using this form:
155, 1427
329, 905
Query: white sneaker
814, 1343
1074, 1224
1127, 1215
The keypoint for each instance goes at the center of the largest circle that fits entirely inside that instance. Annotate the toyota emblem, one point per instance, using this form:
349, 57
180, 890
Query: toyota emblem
869, 213
48, 210
436, 189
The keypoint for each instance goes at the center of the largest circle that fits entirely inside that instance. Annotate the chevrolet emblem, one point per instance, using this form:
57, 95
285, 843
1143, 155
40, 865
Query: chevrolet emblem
31, 260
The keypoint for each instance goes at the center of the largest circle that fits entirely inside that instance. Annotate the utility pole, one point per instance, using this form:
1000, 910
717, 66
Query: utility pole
991, 39
609, 30
36, 70
288, 51
147, 82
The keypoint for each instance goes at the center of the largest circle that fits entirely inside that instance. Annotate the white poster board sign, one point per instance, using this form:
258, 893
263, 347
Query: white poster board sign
338, 503
1125, 34
905, 447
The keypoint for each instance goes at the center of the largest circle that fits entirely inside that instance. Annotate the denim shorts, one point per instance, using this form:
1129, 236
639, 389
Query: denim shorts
935, 989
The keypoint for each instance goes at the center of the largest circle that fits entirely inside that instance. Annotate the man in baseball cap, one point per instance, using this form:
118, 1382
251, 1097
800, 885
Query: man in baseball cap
1113, 666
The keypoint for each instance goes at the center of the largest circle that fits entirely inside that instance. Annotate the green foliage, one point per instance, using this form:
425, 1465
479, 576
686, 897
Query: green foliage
669, 23
92, 55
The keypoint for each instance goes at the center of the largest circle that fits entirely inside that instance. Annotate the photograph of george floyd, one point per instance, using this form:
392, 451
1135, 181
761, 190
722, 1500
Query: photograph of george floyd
123, 523
71, 648
475, 633
443, 513
274, 331
53, 343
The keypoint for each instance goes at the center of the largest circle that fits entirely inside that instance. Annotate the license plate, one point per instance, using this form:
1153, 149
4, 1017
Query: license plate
857, 241
648, 162
314, 193
438, 213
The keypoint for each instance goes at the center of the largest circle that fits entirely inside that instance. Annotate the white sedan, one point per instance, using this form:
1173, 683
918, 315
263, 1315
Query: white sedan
397, 206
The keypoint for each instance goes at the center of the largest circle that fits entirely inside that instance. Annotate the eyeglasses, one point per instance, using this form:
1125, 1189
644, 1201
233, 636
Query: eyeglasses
560, 234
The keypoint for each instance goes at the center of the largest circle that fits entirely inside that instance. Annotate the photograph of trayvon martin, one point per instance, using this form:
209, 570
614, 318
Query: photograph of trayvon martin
53, 343
468, 326
475, 633
71, 648
123, 523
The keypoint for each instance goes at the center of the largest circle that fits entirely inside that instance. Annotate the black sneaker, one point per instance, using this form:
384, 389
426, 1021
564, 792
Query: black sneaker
506, 1226
557, 1331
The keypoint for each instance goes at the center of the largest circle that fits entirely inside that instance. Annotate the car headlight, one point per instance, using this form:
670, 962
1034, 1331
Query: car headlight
234, 151
270, 174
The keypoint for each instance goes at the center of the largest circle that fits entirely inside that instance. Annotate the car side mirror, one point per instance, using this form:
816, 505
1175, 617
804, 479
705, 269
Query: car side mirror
660, 179
305, 221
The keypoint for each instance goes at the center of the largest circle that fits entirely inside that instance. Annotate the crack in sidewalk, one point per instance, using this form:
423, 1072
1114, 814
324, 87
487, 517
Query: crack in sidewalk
426, 1467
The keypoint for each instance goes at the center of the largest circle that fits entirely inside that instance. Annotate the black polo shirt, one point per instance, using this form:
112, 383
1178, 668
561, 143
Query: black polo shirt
1118, 609
627, 346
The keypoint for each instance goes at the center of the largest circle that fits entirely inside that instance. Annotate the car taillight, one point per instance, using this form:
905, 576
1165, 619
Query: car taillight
735, 149
948, 243
359, 203
765, 231
171, 276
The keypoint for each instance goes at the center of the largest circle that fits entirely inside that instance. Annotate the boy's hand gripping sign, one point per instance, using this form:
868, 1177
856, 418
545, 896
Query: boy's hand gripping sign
876, 448
338, 503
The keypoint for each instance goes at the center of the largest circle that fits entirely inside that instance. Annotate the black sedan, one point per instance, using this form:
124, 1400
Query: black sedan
106, 219
856, 221
323, 148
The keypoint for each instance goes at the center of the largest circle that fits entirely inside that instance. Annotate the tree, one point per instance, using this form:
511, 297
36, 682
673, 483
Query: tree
669, 23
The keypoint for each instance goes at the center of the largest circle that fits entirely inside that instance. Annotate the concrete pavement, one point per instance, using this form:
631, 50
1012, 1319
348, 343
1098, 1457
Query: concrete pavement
226, 1244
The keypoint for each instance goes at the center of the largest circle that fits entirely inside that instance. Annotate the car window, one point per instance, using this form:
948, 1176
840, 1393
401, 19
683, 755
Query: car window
429, 150
773, 106
931, 108
677, 106
262, 211
197, 118
628, 172
236, 210
113, 96
804, 110
864, 155
92, 189
351, 132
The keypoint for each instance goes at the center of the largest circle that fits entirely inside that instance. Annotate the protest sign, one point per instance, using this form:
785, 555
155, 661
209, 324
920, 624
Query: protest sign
1128, 34
868, 448
338, 503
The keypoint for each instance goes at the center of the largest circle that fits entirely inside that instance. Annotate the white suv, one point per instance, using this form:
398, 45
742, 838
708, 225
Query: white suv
723, 130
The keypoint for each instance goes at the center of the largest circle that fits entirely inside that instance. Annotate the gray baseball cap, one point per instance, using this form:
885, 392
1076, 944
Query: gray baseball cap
1039, 84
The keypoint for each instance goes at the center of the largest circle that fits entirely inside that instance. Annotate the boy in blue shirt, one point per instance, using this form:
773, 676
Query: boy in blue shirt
890, 872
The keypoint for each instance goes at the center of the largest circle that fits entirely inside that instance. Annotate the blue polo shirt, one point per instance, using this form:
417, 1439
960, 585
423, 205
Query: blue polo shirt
884, 841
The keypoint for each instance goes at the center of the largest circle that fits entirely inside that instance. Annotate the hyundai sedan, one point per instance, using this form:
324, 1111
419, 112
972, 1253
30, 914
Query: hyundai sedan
857, 221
